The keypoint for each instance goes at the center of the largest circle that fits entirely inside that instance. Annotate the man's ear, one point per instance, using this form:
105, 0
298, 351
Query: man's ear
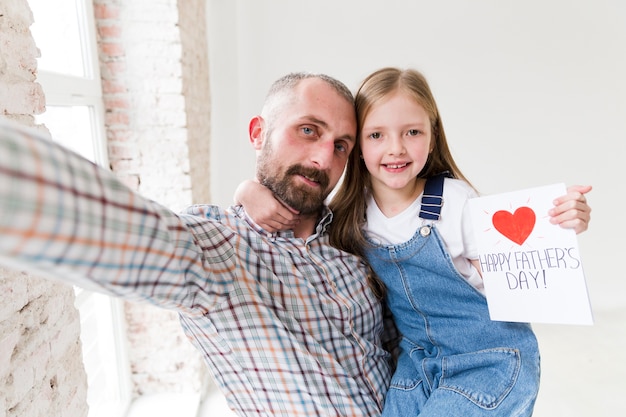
255, 131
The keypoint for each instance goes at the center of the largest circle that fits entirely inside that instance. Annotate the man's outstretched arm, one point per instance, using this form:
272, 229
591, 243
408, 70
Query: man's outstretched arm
64, 217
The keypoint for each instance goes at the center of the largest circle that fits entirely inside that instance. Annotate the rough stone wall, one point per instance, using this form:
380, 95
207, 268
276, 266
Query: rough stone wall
155, 86
41, 369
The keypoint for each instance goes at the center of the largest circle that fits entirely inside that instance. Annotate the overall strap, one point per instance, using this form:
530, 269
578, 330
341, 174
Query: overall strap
432, 199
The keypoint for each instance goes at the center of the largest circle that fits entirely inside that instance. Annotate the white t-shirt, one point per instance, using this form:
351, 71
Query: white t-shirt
454, 227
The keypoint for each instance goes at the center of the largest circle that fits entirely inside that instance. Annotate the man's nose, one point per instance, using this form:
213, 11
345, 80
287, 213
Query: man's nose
322, 154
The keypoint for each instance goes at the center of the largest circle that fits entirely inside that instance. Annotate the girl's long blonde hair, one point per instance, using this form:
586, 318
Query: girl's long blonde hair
349, 202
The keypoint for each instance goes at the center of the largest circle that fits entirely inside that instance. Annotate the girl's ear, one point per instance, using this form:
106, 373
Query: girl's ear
255, 131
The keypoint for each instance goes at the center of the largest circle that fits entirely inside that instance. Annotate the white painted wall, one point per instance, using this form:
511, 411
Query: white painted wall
531, 92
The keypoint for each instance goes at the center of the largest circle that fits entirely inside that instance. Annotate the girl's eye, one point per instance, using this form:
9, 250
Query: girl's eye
414, 132
375, 135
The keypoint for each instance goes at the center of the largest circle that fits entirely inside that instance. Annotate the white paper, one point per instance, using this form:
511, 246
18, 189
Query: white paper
532, 269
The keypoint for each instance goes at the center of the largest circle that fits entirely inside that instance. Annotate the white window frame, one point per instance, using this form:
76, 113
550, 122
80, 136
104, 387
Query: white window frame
107, 347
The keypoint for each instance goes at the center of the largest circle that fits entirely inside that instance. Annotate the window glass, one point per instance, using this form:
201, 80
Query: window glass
63, 30
72, 127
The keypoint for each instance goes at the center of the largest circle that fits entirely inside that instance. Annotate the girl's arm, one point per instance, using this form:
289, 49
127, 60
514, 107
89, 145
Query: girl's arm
476, 265
261, 205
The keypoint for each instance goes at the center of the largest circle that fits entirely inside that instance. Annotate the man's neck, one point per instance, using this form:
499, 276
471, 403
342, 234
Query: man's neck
306, 226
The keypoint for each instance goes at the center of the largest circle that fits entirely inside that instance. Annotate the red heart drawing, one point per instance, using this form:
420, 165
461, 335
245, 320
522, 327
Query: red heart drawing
517, 226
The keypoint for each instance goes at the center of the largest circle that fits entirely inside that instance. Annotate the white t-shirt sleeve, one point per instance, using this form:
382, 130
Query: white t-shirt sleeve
455, 225
468, 235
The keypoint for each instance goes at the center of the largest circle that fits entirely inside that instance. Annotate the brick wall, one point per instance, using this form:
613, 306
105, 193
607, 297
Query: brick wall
195, 76
155, 86
41, 372
20, 96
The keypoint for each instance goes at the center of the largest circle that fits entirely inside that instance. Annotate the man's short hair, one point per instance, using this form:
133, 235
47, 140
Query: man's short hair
287, 83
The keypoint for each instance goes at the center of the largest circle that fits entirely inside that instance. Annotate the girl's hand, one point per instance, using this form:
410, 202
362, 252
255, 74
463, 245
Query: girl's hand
571, 211
264, 208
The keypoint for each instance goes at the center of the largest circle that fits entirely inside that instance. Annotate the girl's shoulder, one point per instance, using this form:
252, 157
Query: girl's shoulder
456, 188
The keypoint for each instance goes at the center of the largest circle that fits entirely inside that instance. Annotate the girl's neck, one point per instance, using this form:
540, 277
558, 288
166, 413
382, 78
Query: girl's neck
394, 201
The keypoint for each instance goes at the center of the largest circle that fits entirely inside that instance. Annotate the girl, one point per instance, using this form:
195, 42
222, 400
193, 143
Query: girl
401, 205
453, 359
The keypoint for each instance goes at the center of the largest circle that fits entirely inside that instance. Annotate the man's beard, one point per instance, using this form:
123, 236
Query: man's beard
305, 199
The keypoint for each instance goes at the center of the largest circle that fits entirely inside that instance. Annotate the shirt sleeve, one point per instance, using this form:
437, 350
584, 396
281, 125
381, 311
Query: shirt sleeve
63, 217
467, 229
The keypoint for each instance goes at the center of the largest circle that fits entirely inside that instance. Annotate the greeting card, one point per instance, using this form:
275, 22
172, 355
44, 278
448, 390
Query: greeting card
532, 269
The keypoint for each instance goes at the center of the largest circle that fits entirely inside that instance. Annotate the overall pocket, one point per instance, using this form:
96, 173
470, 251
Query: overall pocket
484, 377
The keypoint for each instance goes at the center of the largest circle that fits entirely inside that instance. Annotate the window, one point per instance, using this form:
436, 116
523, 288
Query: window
68, 71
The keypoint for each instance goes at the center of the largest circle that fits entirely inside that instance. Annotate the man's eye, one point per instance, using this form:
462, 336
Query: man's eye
341, 147
307, 131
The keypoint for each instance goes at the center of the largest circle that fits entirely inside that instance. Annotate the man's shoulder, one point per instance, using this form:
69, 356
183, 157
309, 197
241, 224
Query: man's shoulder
229, 220
208, 211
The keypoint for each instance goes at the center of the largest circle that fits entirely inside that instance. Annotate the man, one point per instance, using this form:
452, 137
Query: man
286, 323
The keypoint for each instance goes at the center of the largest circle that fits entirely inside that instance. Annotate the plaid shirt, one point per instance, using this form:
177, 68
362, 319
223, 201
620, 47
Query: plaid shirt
288, 327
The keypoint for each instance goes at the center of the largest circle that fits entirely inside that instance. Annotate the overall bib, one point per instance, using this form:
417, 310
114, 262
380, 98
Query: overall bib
454, 361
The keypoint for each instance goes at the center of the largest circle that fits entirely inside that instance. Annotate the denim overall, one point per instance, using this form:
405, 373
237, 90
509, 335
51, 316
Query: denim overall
454, 361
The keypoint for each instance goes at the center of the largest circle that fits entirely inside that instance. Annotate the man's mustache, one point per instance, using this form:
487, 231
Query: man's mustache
316, 175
